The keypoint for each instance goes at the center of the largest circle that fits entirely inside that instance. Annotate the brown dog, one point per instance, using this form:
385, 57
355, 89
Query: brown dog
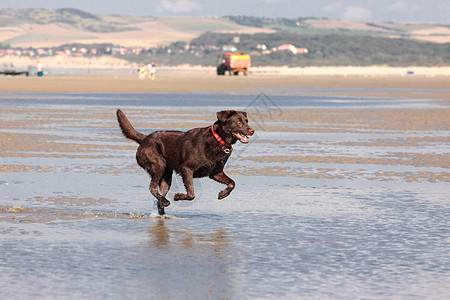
199, 152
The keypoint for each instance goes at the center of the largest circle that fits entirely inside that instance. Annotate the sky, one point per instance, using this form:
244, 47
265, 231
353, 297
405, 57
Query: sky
428, 11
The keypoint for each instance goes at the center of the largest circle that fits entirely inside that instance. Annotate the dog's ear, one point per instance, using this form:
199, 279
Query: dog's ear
223, 115
244, 113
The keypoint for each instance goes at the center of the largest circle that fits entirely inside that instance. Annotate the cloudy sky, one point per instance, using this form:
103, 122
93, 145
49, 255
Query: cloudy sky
431, 11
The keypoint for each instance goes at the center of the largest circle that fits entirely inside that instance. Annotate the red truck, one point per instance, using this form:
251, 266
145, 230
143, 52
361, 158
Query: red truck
233, 63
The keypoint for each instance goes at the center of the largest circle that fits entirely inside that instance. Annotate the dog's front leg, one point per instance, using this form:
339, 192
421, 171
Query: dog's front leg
188, 179
223, 178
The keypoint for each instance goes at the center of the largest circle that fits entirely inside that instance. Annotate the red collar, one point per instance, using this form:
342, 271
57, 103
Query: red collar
226, 147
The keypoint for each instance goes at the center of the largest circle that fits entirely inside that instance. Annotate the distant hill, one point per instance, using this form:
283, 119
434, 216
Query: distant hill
68, 18
323, 50
421, 31
199, 41
47, 28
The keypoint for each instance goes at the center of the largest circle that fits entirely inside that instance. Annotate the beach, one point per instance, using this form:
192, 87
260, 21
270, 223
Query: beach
342, 192
399, 85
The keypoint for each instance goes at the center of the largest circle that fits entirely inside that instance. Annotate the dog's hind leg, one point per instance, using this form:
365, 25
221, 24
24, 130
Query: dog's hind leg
165, 182
162, 201
155, 165
161, 210
164, 186
156, 176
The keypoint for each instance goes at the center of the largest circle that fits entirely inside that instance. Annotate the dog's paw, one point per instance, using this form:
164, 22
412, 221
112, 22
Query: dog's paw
223, 194
177, 196
180, 196
164, 202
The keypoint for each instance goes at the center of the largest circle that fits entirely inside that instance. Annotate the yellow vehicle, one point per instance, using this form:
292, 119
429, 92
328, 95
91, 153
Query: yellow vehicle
233, 63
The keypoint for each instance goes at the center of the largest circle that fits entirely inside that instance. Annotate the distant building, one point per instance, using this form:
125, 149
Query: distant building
292, 48
255, 53
229, 48
262, 47
287, 47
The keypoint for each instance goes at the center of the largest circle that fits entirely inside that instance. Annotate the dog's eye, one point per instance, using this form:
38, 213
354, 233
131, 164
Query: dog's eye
239, 123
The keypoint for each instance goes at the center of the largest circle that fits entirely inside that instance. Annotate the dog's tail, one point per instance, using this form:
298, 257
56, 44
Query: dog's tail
127, 129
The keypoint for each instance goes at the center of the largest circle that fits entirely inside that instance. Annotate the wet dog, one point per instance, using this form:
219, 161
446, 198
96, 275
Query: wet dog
196, 153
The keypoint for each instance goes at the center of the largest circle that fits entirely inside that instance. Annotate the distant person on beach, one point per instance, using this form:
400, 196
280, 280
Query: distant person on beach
142, 71
151, 70
40, 69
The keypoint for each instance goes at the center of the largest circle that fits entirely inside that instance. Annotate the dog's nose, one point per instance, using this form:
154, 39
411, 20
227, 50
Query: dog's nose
251, 131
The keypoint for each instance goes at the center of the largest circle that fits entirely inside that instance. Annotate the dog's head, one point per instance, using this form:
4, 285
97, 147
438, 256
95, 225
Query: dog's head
235, 124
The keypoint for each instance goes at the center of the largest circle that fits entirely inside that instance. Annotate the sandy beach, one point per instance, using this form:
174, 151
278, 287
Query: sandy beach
412, 86
319, 192
342, 173
123, 78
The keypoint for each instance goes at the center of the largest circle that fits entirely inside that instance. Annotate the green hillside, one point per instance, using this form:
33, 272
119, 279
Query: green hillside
323, 50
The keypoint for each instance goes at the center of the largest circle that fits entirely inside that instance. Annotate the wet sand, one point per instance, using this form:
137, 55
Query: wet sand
416, 86
401, 131
324, 196
396, 129
396, 134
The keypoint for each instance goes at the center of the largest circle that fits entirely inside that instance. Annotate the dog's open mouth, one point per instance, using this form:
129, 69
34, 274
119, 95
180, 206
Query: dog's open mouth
242, 137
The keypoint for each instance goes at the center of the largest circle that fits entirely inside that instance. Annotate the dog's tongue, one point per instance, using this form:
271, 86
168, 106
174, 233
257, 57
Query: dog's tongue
243, 138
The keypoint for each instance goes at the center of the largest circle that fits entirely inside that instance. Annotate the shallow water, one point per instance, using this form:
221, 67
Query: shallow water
336, 198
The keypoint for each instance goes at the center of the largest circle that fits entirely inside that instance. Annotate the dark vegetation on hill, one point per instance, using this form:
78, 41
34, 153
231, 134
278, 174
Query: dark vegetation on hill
336, 50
